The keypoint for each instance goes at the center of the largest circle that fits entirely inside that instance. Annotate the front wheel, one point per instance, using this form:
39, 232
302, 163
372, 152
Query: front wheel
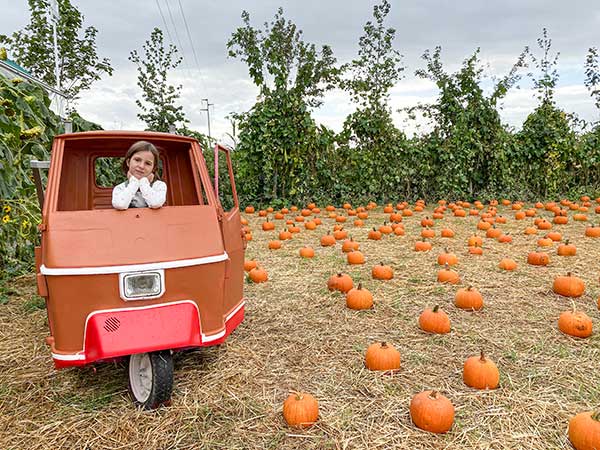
151, 378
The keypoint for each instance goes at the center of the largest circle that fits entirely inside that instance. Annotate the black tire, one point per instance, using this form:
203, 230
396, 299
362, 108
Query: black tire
151, 378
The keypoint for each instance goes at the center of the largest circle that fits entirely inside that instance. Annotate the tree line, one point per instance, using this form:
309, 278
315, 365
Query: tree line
283, 155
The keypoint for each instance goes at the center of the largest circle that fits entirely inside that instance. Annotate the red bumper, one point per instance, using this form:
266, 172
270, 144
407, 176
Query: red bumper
114, 333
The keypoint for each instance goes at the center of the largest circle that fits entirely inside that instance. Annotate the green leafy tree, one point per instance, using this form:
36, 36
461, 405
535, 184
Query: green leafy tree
276, 141
79, 63
378, 66
592, 75
590, 141
468, 144
369, 136
27, 128
159, 108
546, 140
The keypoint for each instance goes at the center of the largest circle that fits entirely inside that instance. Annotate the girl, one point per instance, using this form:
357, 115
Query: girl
143, 187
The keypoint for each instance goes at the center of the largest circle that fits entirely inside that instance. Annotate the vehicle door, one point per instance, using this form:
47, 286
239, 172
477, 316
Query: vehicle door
233, 237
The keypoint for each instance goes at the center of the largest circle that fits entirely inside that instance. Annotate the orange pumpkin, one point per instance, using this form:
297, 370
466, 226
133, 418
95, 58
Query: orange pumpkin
382, 356
328, 240
382, 272
349, 245
274, 245
374, 235
426, 222
431, 411
258, 275
340, 234
584, 430
566, 249
593, 231
300, 410
447, 275
531, 230
434, 321
569, 286
310, 225
284, 235
475, 241
507, 264
538, 259
340, 282
249, 265
475, 250
493, 233
359, 298
355, 257
480, 372
447, 233
307, 252
575, 323
468, 298
422, 246
268, 226
447, 258
505, 238
427, 233
385, 228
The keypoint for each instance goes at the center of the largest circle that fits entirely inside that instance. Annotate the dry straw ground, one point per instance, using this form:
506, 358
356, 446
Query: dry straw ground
299, 336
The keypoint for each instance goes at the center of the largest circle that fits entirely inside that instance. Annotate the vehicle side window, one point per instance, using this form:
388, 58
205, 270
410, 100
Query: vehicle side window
224, 191
108, 172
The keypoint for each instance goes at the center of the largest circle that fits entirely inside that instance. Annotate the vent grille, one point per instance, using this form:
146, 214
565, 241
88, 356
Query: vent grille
112, 324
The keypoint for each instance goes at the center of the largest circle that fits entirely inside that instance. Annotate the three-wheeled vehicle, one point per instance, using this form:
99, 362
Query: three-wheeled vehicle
143, 282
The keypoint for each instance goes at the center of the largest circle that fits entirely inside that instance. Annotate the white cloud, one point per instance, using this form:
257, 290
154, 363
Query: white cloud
501, 28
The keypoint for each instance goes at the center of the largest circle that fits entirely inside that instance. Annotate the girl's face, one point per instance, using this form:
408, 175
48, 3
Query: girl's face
141, 164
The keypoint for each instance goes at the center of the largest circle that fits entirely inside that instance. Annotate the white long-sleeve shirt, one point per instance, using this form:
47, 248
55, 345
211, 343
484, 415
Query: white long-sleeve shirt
136, 193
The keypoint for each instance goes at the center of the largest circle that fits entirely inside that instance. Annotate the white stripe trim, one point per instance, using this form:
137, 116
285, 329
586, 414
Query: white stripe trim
133, 267
80, 356
73, 357
220, 334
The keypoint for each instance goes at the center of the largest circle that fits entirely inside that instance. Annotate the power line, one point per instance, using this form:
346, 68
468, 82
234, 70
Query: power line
177, 36
164, 22
187, 29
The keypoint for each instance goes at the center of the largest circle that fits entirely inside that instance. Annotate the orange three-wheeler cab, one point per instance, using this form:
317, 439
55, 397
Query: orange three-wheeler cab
140, 282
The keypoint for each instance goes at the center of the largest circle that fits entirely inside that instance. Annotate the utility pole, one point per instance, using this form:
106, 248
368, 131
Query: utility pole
54, 18
207, 109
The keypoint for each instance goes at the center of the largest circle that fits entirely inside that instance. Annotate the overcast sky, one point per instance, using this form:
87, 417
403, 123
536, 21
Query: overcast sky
500, 28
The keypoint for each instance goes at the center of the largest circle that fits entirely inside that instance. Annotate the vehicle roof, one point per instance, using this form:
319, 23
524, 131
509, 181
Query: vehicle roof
108, 134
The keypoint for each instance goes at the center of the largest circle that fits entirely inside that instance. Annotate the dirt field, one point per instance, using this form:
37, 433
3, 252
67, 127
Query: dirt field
299, 336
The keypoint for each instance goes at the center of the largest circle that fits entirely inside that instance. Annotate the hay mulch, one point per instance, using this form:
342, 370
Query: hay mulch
299, 336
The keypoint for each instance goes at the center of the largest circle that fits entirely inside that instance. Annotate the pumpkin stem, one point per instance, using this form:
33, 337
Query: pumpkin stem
433, 395
482, 356
436, 308
383, 344
359, 286
596, 416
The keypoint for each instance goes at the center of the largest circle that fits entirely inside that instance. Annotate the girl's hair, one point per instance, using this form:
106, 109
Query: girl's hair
141, 146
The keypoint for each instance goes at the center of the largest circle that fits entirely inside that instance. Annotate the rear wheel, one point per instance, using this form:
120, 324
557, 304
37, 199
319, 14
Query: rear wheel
151, 378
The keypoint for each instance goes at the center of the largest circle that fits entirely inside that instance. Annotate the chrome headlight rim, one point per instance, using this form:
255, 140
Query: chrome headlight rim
124, 276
